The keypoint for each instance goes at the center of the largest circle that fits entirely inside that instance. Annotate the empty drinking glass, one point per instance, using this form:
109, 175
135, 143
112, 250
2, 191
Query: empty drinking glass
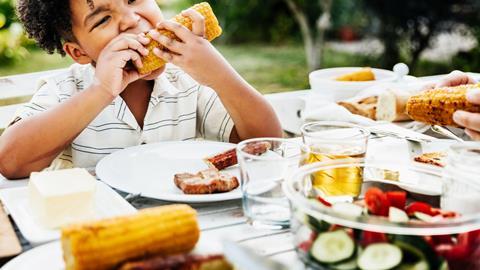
264, 164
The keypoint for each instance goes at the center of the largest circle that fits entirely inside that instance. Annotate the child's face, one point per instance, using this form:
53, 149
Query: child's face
96, 22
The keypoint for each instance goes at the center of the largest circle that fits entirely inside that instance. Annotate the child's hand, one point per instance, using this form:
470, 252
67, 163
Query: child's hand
471, 121
193, 53
111, 71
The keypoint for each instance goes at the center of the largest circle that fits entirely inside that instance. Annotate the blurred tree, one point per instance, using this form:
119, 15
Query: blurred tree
314, 19
278, 21
12, 35
7, 13
406, 27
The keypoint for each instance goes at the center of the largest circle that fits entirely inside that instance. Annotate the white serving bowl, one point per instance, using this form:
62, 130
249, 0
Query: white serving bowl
323, 80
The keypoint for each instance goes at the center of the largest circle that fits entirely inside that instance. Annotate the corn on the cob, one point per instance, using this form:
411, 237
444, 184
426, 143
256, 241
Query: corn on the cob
364, 74
212, 30
107, 243
436, 106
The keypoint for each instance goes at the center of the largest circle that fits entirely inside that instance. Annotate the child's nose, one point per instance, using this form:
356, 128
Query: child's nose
129, 21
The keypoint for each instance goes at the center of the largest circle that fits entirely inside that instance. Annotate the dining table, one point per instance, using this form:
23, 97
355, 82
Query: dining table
225, 219
217, 221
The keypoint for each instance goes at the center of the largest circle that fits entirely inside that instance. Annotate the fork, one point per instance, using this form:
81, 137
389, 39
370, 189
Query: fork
445, 132
380, 133
131, 197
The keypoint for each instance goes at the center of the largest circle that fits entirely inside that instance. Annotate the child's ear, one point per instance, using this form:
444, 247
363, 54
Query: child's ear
76, 53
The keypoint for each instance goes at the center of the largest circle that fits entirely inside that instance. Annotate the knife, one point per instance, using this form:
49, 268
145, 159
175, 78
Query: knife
245, 258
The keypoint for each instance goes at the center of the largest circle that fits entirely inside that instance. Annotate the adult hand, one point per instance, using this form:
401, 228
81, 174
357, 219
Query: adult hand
455, 78
471, 121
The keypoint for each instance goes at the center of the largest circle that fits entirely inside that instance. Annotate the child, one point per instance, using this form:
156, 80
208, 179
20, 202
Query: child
471, 121
102, 105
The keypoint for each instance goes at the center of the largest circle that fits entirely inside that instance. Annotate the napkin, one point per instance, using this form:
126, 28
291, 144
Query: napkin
319, 107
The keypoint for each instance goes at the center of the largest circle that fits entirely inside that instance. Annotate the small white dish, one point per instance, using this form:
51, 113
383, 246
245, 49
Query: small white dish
394, 151
149, 169
108, 203
323, 80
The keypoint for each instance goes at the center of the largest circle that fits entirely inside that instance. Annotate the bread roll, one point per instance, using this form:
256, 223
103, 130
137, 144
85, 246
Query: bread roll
391, 106
365, 107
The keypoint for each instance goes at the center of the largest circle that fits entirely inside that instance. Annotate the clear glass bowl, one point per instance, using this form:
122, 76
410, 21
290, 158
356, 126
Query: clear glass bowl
428, 245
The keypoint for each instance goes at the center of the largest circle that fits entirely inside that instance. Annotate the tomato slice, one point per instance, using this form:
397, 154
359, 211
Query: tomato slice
444, 213
324, 202
469, 239
442, 239
465, 247
377, 202
397, 199
418, 207
452, 252
372, 238
305, 245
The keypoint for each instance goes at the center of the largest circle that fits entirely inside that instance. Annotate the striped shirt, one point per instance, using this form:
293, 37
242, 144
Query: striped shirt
179, 109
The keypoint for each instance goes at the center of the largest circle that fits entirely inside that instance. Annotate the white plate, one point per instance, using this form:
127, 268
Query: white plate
50, 256
149, 169
107, 202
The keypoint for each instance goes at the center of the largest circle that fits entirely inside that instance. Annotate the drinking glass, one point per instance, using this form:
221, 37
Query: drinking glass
329, 141
262, 175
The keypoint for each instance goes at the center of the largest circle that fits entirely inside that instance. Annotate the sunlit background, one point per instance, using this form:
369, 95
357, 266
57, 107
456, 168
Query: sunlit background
275, 43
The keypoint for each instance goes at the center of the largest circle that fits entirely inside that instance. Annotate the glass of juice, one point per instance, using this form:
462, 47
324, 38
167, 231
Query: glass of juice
331, 141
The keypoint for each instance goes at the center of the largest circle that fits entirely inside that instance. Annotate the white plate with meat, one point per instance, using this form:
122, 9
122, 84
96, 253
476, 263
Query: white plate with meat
150, 170
50, 256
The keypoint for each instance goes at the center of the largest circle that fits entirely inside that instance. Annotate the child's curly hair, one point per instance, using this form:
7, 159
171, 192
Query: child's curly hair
48, 22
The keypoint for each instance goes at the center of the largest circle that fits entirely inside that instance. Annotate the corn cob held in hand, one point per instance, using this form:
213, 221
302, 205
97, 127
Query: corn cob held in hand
107, 243
212, 30
436, 106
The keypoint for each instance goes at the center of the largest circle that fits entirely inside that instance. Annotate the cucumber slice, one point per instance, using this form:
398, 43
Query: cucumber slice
411, 254
421, 265
381, 256
314, 223
318, 226
419, 243
423, 217
351, 264
332, 247
348, 209
397, 215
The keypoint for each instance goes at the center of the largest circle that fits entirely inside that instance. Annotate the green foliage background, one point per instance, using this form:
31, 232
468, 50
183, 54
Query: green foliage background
265, 32
12, 38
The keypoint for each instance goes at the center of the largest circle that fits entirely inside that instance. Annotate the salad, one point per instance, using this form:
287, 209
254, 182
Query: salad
330, 246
